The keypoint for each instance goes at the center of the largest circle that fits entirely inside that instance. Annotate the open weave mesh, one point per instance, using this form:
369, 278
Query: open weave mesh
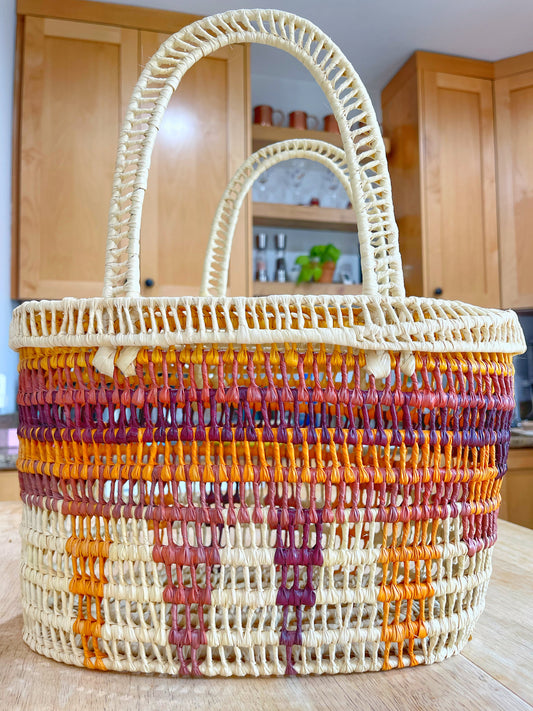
253, 512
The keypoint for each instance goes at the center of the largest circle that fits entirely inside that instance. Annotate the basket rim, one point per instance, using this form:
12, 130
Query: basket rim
394, 324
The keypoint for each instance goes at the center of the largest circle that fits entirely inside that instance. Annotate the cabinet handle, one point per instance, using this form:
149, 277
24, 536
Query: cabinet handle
149, 283
437, 291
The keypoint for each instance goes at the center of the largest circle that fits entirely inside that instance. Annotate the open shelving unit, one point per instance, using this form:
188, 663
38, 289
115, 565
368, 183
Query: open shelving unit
264, 135
269, 288
332, 219
309, 217
300, 216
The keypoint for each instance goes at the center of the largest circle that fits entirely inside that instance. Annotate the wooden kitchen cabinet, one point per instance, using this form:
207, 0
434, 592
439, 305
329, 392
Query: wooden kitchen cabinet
461, 164
9, 485
76, 82
438, 113
513, 103
77, 65
517, 488
202, 141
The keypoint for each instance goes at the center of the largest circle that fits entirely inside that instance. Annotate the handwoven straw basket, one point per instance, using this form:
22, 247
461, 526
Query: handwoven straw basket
282, 485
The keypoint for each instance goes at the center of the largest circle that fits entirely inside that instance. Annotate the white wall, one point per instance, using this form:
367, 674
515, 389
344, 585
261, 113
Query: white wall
8, 359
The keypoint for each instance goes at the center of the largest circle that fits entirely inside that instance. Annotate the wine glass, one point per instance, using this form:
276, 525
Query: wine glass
261, 188
333, 190
297, 171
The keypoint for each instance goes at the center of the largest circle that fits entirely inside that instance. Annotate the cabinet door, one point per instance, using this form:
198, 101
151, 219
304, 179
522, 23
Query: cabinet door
459, 195
202, 140
77, 79
514, 144
517, 488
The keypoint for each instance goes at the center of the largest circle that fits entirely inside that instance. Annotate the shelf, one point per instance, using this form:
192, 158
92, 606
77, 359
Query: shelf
270, 214
270, 288
264, 135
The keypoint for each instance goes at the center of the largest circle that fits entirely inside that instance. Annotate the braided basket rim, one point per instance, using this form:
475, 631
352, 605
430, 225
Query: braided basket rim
402, 324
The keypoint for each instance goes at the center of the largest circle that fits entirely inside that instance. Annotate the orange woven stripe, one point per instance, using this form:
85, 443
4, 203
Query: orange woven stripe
89, 554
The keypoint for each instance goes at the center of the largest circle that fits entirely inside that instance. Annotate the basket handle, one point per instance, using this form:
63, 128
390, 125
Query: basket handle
215, 275
363, 143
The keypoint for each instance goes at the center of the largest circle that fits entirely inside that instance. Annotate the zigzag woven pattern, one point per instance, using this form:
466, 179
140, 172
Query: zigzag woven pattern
244, 511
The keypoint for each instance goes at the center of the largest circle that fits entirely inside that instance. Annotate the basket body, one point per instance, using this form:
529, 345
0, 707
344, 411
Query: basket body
237, 511
288, 485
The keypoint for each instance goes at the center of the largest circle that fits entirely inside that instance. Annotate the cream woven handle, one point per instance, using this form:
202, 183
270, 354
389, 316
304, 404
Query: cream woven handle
215, 276
378, 234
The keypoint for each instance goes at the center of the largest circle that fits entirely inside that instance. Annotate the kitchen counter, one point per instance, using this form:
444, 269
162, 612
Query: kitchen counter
522, 436
492, 673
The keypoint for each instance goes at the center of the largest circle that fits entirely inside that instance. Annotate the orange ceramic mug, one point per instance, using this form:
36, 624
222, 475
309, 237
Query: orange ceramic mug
299, 119
264, 116
330, 124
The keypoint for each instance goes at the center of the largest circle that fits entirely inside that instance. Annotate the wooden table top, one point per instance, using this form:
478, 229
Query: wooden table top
494, 672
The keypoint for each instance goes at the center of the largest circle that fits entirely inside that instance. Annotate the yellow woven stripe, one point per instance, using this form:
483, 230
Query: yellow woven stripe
89, 553
267, 461
45, 358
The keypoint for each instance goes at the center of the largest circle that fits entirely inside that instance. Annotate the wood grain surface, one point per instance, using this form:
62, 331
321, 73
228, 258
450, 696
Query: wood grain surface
513, 105
301, 217
202, 141
77, 80
459, 189
493, 673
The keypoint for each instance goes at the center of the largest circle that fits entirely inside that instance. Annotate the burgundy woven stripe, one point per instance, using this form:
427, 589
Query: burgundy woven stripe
188, 589
297, 558
383, 502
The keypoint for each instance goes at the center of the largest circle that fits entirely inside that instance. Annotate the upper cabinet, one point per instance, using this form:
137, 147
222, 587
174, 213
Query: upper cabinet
76, 75
513, 102
461, 164
77, 78
438, 113
202, 141
458, 189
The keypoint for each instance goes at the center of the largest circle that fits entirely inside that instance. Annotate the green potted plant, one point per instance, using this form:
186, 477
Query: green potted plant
319, 264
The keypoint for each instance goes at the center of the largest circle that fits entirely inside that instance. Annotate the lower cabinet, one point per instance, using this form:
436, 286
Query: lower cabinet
517, 488
9, 485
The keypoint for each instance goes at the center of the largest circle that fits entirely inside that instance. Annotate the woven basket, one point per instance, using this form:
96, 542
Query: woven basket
231, 486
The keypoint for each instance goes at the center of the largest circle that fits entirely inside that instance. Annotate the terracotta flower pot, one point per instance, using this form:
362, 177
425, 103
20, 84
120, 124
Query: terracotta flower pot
328, 269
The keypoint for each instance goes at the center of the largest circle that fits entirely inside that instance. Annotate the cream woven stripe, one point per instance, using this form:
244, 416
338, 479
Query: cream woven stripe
362, 322
342, 632
215, 276
363, 143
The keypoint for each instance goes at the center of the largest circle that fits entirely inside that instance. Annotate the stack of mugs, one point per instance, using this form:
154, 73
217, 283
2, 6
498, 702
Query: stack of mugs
265, 115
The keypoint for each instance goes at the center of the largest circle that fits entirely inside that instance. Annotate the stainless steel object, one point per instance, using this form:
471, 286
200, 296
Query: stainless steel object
281, 241
261, 273
281, 269
261, 241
